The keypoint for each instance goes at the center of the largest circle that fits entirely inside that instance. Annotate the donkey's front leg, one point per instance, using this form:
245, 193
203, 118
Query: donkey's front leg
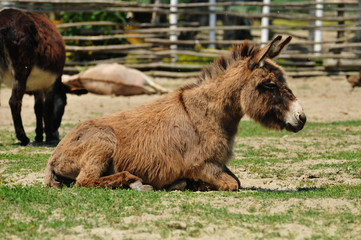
118, 180
229, 172
15, 103
49, 121
215, 175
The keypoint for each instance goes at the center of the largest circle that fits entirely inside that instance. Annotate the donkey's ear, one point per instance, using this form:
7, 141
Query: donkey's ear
280, 47
261, 54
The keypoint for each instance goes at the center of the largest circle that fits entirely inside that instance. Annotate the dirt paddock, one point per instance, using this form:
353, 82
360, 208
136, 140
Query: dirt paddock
323, 99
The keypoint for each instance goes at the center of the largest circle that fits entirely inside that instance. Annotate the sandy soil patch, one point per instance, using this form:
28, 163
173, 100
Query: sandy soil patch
323, 99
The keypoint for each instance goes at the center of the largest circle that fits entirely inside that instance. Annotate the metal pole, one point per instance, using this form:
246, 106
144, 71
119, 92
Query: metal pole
212, 23
265, 22
318, 33
173, 20
358, 32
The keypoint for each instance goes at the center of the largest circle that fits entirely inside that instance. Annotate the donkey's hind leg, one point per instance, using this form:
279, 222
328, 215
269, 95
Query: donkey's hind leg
118, 180
98, 170
39, 113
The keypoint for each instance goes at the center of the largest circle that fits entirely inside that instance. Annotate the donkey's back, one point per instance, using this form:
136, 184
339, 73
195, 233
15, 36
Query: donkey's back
30, 46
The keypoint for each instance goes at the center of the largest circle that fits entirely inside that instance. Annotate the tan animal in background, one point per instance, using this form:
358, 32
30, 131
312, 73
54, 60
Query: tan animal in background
354, 80
185, 135
113, 79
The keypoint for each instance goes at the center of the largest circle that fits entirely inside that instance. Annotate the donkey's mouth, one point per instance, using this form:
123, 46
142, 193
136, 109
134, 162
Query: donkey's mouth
291, 128
300, 123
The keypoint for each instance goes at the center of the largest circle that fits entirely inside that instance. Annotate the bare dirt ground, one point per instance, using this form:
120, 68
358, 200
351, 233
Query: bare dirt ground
323, 99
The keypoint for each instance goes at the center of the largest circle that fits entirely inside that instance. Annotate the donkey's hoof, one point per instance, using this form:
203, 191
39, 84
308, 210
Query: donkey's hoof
39, 138
140, 187
24, 141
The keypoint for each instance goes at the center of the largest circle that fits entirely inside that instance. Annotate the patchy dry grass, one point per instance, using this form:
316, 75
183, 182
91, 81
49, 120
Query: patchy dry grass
295, 186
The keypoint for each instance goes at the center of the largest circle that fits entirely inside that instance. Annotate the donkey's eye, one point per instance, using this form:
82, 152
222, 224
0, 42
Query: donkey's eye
270, 85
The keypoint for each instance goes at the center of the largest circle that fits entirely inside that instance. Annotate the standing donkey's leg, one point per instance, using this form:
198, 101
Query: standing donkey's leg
39, 113
50, 131
15, 103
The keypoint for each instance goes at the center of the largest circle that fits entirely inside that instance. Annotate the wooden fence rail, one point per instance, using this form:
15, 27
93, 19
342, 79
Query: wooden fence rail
145, 42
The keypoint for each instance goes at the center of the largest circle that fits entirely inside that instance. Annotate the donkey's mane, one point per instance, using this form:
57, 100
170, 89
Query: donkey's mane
239, 52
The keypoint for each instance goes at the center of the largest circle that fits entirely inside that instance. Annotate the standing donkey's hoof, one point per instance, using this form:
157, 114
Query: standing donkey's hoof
138, 185
24, 141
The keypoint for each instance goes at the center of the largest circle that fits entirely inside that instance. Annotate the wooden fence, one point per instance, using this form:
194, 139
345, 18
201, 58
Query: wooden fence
148, 41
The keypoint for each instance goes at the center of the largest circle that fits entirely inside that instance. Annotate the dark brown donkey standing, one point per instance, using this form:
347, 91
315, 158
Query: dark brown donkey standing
32, 57
186, 134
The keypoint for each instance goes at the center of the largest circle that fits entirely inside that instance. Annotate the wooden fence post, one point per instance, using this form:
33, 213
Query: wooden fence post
155, 15
265, 22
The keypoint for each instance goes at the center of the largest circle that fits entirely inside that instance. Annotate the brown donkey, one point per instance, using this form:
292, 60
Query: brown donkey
32, 57
186, 134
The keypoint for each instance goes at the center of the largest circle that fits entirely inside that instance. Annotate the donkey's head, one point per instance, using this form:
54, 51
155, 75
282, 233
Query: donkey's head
59, 102
265, 96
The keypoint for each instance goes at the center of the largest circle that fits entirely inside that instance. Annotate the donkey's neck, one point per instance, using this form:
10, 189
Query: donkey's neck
215, 106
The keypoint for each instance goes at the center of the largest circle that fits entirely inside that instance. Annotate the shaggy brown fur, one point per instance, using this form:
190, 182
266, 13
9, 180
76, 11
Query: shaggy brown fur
32, 57
186, 134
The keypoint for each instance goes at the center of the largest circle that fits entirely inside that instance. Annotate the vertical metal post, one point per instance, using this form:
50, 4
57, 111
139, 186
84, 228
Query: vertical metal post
212, 23
318, 33
358, 24
173, 20
265, 22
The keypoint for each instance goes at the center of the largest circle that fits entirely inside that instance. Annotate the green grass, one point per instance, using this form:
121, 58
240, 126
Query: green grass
312, 210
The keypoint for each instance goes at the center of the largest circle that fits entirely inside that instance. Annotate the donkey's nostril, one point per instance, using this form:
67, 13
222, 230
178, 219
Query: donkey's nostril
302, 118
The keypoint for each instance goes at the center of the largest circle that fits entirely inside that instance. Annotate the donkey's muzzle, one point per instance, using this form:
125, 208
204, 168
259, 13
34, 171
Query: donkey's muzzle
295, 119
297, 127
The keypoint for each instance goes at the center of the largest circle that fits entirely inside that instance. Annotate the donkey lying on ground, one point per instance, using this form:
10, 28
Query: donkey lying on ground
113, 79
186, 134
32, 57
